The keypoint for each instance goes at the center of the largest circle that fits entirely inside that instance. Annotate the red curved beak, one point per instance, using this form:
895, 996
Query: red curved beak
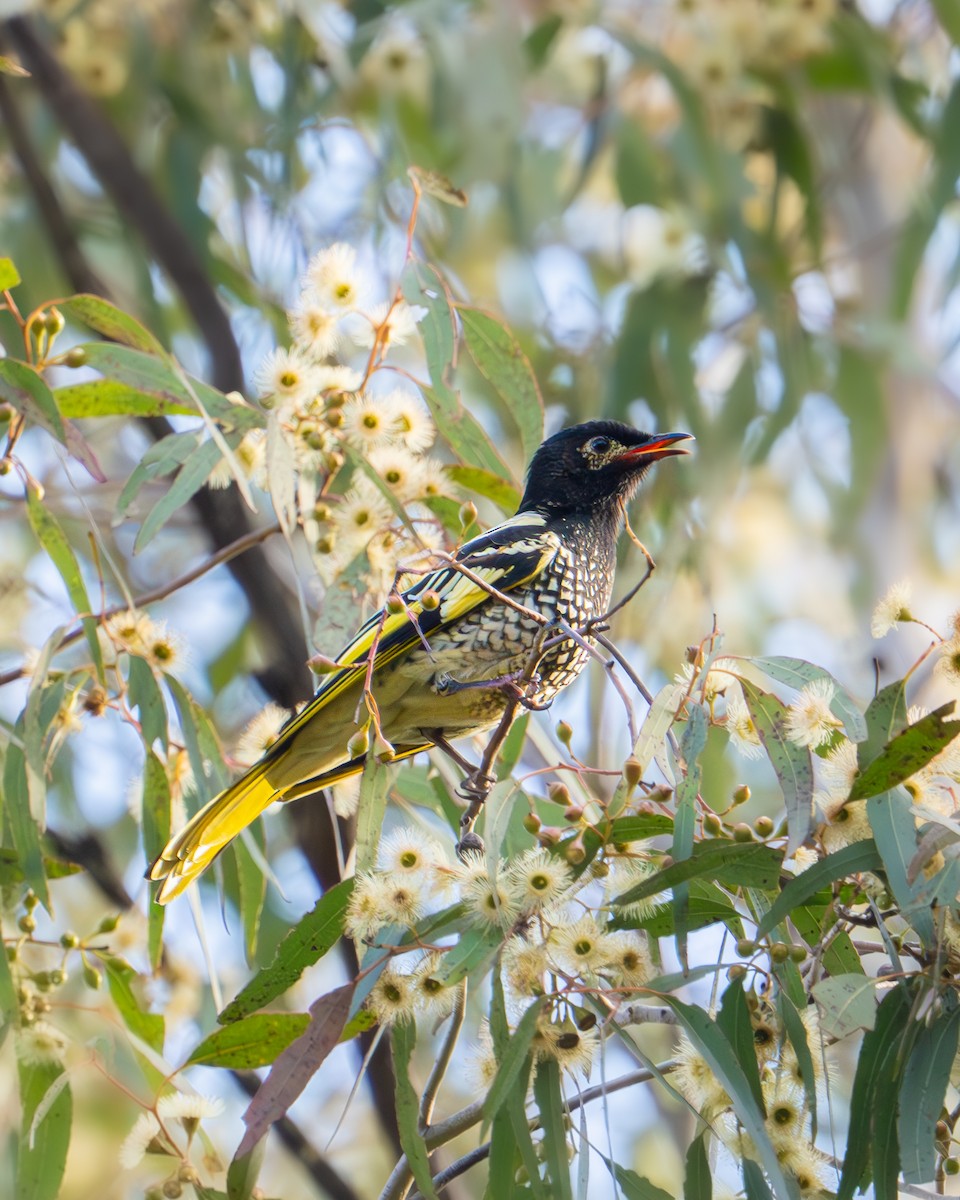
661, 445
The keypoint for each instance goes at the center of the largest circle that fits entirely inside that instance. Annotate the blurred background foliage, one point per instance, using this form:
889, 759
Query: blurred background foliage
734, 217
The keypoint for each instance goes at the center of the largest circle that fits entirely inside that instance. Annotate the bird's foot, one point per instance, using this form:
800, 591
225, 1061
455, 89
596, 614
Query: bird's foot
475, 788
446, 685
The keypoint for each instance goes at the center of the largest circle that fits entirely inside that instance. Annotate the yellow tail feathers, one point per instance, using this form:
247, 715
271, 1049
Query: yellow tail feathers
195, 847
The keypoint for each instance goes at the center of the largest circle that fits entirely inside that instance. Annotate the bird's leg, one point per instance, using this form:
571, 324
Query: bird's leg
441, 743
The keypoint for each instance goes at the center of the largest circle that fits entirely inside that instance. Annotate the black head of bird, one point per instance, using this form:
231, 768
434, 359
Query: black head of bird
597, 465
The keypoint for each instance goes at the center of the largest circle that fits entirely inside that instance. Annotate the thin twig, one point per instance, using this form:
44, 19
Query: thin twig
160, 593
439, 1069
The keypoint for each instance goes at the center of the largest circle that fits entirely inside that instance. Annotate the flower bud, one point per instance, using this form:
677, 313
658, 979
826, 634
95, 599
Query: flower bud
632, 772
573, 812
394, 604
532, 823
712, 824
737, 971
319, 664
468, 514
779, 952
559, 793
109, 923
564, 733
798, 953
92, 977
69, 940
575, 852
430, 600
27, 924
741, 795
53, 321
76, 357
763, 827
359, 744
746, 947
742, 832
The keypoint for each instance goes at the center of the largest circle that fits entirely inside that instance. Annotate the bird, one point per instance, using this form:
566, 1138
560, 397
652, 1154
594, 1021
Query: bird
453, 651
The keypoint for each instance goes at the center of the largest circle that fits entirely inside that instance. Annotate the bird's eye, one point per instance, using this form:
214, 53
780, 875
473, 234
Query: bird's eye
598, 445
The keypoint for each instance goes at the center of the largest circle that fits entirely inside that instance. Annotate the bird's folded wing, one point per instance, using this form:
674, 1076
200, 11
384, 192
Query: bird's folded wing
503, 559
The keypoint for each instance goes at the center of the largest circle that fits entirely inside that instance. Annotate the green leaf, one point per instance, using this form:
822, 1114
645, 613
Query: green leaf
754, 1184
886, 716
25, 389
155, 823
711, 1042
44, 1141
538, 41
477, 482
882, 1053
306, 943
698, 1178
147, 1026
403, 1039
707, 905
846, 1003
243, 1172
796, 673
549, 1101
203, 749
907, 753
791, 763
839, 956
23, 827
105, 318
254, 1041
111, 398
294, 1067
948, 14
746, 864
422, 286
501, 361
472, 953
922, 1094
851, 860
164, 378
462, 432
511, 1060
252, 888
9, 275
374, 787
734, 1019
796, 1033
22, 386
194, 473
895, 833
146, 697
9, 1001
692, 745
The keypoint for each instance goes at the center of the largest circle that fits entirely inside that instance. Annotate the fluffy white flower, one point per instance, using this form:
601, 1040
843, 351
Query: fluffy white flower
809, 719
180, 1106
739, 725
892, 609
138, 1140
657, 243
390, 325
40, 1043
410, 421
335, 279
286, 378
260, 734
314, 327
